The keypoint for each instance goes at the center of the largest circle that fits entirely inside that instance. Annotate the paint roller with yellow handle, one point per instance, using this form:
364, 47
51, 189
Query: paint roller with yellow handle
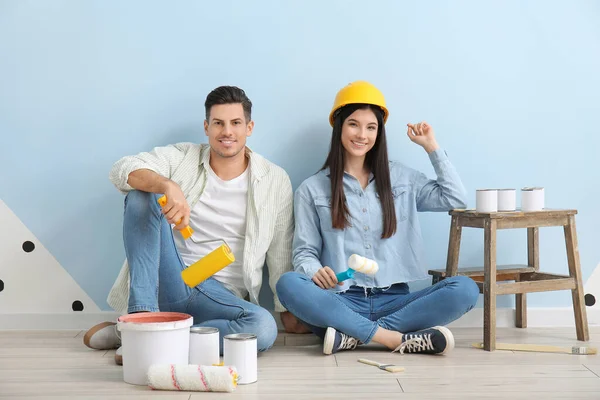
185, 232
208, 265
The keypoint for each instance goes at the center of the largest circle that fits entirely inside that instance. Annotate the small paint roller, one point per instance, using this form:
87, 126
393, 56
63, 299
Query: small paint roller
199, 378
360, 264
208, 265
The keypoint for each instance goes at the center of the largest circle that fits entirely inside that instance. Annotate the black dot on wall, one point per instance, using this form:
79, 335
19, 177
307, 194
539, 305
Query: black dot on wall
77, 306
1, 285
28, 246
590, 300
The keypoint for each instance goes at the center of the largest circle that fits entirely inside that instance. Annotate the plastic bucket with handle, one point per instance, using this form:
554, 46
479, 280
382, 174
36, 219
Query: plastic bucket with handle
153, 338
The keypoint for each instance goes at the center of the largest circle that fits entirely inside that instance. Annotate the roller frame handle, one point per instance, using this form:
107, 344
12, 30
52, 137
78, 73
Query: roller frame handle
185, 232
348, 274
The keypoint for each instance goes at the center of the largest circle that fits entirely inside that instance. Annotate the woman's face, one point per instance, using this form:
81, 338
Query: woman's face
359, 133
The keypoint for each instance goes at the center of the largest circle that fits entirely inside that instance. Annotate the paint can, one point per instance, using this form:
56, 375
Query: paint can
204, 346
153, 338
507, 199
486, 200
532, 199
240, 350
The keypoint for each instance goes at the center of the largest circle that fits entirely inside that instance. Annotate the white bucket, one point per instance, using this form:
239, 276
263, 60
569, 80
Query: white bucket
153, 338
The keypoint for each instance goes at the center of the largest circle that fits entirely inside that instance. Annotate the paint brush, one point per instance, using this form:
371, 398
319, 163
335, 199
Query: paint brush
385, 367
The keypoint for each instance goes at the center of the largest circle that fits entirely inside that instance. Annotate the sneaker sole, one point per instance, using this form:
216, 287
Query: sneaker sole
119, 359
329, 340
449, 339
88, 335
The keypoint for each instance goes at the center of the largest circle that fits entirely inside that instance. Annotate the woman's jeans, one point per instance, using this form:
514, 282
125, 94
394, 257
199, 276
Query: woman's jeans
358, 312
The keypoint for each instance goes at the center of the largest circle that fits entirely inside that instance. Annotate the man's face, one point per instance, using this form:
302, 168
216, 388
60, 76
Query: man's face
227, 129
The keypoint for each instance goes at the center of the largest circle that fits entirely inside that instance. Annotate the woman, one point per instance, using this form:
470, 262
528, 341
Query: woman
360, 203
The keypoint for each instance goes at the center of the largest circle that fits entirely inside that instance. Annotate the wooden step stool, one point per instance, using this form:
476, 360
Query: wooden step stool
528, 278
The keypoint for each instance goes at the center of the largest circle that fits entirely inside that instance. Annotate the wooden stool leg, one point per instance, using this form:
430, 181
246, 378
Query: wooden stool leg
521, 310
453, 247
533, 260
533, 248
581, 322
489, 285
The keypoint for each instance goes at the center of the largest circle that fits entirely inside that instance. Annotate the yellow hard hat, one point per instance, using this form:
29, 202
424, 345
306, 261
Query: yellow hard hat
359, 92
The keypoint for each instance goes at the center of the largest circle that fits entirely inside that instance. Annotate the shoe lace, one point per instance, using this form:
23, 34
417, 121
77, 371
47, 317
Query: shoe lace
348, 342
415, 344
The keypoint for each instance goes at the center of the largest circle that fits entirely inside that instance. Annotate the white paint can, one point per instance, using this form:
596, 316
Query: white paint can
532, 199
507, 199
153, 338
240, 350
486, 200
204, 346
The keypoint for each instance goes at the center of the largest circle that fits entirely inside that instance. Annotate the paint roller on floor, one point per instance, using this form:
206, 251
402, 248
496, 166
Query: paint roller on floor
191, 377
360, 264
208, 265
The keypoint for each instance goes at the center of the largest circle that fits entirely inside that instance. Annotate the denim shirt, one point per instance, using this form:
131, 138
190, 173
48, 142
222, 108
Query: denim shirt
401, 257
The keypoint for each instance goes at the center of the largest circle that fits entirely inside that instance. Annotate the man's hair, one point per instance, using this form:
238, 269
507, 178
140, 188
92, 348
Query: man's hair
228, 95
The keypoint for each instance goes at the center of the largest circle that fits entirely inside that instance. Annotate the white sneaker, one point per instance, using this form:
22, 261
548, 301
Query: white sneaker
102, 336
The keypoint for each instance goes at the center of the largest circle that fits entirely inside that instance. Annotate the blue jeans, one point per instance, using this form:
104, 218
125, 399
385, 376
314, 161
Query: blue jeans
359, 312
156, 285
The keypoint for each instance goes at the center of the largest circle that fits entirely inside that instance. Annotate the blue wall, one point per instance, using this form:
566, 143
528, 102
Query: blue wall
512, 89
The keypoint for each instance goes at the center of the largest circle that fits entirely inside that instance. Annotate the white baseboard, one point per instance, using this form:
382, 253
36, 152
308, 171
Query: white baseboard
536, 317
56, 321
505, 318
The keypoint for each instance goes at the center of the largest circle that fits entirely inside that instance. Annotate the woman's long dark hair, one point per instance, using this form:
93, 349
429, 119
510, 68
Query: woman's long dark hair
376, 160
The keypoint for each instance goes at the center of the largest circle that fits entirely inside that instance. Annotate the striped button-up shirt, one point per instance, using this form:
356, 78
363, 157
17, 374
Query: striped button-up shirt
269, 225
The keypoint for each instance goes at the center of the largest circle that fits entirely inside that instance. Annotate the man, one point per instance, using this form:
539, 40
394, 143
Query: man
222, 190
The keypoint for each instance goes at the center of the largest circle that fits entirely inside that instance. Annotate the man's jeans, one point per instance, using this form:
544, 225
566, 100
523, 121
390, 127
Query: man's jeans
359, 312
155, 274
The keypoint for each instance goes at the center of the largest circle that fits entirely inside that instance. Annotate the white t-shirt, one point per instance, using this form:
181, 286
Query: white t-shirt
220, 213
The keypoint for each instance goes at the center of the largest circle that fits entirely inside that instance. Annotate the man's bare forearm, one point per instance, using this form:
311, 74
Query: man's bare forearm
148, 181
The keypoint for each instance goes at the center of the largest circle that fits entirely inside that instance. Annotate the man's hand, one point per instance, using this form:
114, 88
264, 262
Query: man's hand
177, 210
291, 324
423, 135
325, 278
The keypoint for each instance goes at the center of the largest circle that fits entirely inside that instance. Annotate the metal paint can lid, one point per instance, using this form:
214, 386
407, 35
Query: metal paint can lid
203, 330
530, 189
240, 336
